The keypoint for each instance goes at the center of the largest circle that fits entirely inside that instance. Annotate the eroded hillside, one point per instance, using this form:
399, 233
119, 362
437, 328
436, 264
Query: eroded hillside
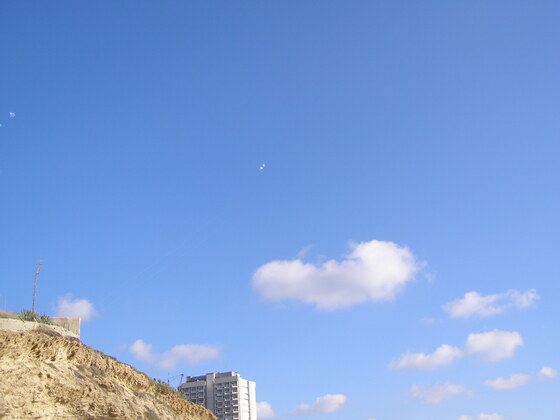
46, 376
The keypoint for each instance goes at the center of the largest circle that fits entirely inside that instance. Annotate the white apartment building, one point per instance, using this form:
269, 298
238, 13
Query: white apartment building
227, 395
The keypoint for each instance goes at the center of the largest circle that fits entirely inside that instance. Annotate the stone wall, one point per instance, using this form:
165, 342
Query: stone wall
71, 324
18, 325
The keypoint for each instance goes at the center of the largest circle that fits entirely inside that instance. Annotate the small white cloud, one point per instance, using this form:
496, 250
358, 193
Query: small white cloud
322, 405
514, 381
438, 393
373, 271
261, 168
265, 411
75, 308
547, 373
494, 345
12, 114
183, 353
188, 353
475, 304
142, 351
483, 417
442, 356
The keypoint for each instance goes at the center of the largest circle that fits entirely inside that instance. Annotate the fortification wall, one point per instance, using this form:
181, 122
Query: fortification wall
71, 324
18, 325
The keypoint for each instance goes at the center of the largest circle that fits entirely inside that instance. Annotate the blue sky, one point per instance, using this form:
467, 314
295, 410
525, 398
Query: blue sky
411, 157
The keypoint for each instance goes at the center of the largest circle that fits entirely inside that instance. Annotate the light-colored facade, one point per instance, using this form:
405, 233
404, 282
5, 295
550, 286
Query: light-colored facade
227, 395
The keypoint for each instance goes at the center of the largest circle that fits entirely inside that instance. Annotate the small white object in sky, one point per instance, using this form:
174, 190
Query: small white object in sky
262, 167
12, 114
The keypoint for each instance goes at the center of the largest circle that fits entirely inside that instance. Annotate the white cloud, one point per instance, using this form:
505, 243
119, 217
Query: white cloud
475, 304
323, 405
142, 351
494, 345
75, 308
484, 417
547, 372
12, 114
183, 353
373, 271
437, 393
442, 356
514, 381
265, 411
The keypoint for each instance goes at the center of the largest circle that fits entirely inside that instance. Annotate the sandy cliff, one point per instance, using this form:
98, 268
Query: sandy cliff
46, 376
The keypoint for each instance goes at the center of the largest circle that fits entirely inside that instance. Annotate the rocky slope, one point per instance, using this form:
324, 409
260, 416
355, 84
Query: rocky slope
46, 376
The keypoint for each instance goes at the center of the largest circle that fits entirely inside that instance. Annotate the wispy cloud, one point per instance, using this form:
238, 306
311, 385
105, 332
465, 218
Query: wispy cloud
442, 356
547, 373
183, 353
475, 304
304, 251
75, 308
514, 381
12, 114
493, 346
438, 393
373, 271
483, 417
323, 405
265, 411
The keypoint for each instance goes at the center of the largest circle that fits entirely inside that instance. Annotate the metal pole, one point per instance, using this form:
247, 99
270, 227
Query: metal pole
37, 271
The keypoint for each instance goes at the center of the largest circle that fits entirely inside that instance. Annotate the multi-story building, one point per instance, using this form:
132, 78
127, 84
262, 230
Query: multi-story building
227, 395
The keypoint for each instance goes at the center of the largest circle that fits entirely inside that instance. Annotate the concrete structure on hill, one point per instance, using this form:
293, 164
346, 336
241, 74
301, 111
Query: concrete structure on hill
227, 395
69, 327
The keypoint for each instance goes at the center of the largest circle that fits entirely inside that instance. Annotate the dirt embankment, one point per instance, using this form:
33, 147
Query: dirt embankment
47, 376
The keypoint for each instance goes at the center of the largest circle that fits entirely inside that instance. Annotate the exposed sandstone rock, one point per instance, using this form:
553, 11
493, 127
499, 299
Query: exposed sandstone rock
46, 376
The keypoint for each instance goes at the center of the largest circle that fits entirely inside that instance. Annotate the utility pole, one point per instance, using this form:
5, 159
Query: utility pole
37, 272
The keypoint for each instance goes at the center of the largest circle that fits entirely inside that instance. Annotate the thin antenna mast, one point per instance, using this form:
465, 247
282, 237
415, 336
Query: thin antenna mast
37, 272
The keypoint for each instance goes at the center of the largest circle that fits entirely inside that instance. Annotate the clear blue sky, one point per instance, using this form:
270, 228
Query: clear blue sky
132, 167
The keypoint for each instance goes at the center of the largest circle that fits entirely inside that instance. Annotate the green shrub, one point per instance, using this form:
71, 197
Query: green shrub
161, 388
26, 315
96, 371
150, 415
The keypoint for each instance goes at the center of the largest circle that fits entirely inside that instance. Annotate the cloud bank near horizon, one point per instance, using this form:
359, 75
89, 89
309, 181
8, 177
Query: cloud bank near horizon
483, 416
326, 404
373, 271
265, 411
